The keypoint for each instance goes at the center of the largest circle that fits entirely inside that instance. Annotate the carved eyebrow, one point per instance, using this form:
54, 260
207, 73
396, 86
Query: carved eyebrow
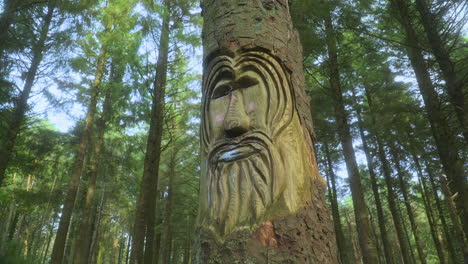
246, 81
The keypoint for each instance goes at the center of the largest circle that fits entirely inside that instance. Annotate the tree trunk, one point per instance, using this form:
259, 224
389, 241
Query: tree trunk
356, 252
375, 189
166, 254
447, 232
84, 240
447, 67
429, 212
445, 139
145, 214
57, 252
9, 10
21, 105
253, 45
369, 252
345, 257
407, 202
404, 247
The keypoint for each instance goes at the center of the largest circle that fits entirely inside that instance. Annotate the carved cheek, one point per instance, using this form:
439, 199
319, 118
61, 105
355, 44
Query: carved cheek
219, 119
251, 107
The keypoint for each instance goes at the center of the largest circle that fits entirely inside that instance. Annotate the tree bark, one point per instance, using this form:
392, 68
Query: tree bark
445, 139
57, 252
21, 105
368, 249
447, 67
145, 214
235, 28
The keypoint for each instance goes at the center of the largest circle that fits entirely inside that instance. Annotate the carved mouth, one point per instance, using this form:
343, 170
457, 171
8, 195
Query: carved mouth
239, 148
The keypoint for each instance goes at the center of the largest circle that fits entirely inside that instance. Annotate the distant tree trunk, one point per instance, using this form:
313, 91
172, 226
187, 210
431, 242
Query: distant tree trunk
166, 254
445, 139
345, 257
429, 212
447, 67
145, 212
404, 247
6, 19
356, 252
375, 189
81, 254
158, 235
94, 247
368, 249
407, 202
447, 232
21, 104
406, 232
57, 252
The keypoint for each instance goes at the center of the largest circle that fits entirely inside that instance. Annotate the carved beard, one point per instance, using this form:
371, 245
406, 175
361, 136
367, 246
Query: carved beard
240, 191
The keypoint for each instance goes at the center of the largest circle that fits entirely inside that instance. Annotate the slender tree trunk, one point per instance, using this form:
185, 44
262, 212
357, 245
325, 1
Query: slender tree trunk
166, 255
404, 247
375, 190
429, 211
445, 139
340, 238
145, 214
447, 67
405, 229
60, 239
84, 240
356, 252
6, 19
447, 232
368, 249
407, 202
21, 105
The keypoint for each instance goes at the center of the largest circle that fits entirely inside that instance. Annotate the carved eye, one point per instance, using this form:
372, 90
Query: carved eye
221, 90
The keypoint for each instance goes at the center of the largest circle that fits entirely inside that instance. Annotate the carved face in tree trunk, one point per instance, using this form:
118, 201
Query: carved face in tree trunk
253, 157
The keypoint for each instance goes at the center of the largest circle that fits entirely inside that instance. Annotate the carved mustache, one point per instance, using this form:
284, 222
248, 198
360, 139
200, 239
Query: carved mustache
239, 147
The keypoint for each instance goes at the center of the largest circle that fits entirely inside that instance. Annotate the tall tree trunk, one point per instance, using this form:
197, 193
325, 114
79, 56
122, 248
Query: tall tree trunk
404, 247
369, 252
6, 19
145, 214
429, 211
447, 232
356, 252
253, 45
21, 104
375, 189
60, 239
84, 240
407, 202
166, 254
345, 257
445, 139
447, 67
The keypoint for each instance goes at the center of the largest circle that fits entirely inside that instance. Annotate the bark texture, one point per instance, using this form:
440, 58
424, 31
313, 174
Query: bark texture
305, 235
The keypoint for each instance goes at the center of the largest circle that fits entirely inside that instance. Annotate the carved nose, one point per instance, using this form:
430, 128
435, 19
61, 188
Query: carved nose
236, 121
